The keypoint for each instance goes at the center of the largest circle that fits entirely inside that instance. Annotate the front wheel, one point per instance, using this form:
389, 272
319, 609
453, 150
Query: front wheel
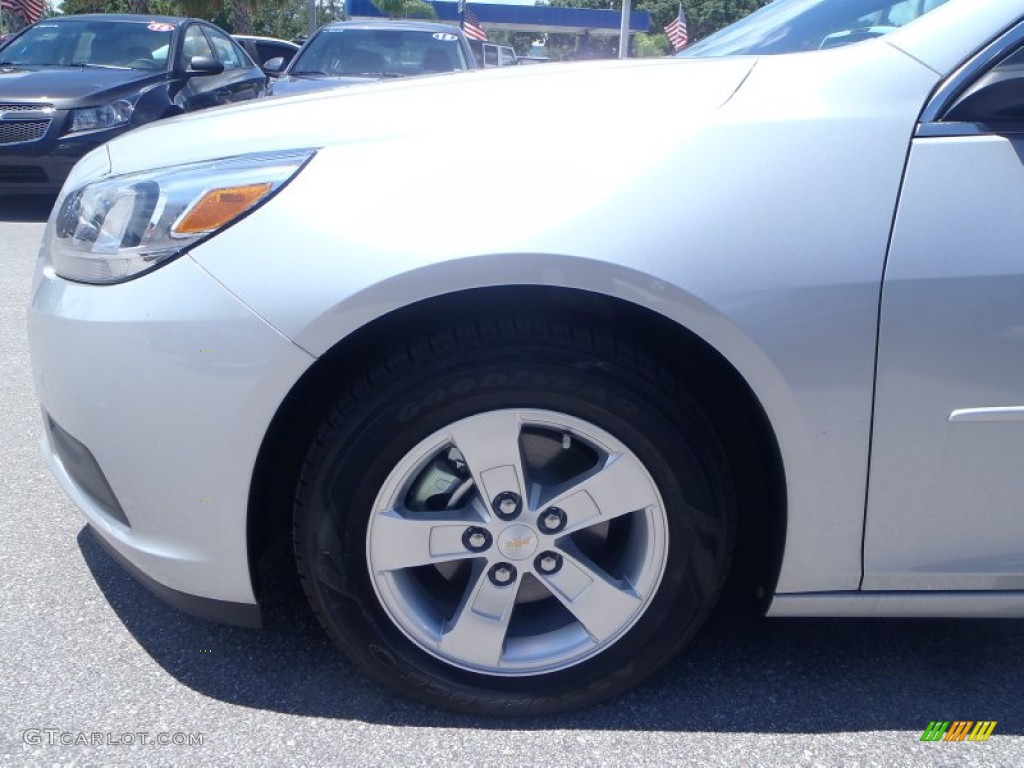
523, 522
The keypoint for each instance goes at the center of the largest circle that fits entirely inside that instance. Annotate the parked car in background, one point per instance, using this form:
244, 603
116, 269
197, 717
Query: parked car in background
348, 52
68, 84
520, 443
263, 49
490, 55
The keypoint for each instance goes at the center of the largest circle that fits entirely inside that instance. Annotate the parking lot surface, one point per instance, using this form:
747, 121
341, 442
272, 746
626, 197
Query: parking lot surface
95, 670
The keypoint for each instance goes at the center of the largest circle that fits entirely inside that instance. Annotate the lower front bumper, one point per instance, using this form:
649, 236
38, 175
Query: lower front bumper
238, 614
41, 167
168, 383
30, 175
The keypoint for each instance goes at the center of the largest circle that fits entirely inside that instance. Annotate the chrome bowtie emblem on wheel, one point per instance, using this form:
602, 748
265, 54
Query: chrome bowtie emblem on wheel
517, 542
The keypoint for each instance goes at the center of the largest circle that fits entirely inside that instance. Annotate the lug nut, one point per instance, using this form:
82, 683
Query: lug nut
502, 574
552, 520
548, 563
506, 505
476, 539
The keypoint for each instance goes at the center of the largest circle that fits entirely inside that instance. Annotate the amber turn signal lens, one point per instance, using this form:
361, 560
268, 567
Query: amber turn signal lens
218, 207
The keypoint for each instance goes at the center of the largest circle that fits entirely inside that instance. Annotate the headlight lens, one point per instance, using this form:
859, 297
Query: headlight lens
97, 118
117, 228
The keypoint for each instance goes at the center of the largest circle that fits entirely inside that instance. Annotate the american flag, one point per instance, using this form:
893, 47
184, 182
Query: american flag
471, 25
29, 10
676, 30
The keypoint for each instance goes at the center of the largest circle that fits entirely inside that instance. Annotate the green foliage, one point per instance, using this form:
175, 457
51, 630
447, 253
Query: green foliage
648, 46
289, 20
406, 9
705, 16
286, 19
561, 46
519, 41
156, 7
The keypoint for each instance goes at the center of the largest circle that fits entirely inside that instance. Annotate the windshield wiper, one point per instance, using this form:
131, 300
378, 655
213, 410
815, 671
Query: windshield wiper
300, 72
96, 66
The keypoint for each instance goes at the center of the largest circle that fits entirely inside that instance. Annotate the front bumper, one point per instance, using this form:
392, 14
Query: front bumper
169, 383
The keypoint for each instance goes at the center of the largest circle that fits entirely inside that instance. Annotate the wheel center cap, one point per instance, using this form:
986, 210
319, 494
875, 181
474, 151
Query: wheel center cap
517, 542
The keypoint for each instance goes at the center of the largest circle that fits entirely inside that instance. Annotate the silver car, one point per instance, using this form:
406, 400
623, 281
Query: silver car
772, 341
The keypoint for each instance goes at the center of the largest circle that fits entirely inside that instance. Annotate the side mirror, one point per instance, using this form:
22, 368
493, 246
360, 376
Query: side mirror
204, 65
996, 98
274, 66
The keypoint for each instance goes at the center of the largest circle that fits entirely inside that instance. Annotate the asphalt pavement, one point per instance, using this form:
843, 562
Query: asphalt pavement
94, 670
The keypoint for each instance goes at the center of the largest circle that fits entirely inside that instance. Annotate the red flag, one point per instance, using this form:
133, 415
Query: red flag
676, 30
29, 10
471, 26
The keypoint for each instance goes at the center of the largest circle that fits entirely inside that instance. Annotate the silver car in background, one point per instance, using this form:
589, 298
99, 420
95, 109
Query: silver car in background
351, 52
521, 443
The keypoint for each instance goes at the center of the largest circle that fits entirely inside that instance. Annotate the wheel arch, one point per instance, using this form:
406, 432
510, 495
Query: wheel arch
750, 440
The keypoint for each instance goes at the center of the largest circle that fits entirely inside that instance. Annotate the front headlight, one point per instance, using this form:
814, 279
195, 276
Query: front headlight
117, 228
111, 115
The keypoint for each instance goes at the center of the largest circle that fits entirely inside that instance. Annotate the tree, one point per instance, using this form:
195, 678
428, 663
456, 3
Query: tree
406, 9
647, 46
520, 42
234, 15
290, 19
703, 17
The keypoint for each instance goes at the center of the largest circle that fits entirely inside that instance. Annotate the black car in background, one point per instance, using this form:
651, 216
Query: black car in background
347, 52
71, 83
263, 49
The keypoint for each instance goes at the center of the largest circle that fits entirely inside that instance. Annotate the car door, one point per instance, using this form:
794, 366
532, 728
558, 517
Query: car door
946, 495
241, 78
198, 91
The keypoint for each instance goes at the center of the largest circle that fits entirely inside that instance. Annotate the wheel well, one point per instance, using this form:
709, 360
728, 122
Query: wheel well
733, 408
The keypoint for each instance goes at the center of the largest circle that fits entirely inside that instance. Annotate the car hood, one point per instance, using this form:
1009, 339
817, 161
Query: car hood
500, 108
291, 84
66, 87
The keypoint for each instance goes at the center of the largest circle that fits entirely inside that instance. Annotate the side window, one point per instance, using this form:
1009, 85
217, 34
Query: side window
194, 44
230, 55
996, 98
490, 56
268, 51
507, 57
1013, 62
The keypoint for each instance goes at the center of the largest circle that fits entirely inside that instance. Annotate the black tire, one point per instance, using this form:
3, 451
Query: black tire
537, 363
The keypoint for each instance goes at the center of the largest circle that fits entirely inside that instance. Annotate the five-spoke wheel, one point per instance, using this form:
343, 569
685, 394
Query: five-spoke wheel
532, 521
517, 541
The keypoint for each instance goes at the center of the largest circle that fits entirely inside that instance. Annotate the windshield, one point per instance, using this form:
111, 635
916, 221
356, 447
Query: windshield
379, 53
115, 44
789, 26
